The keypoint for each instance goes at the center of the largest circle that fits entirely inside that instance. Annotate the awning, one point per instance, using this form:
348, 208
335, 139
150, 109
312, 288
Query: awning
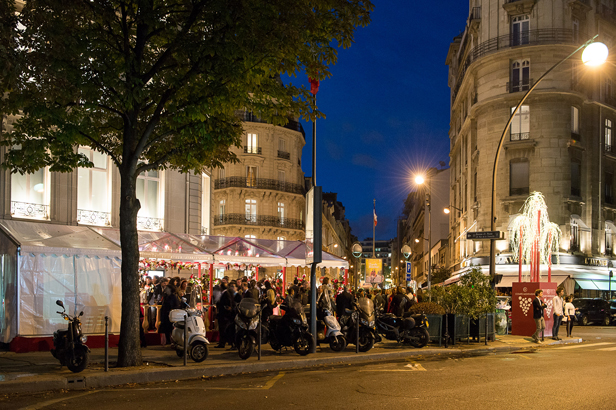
604, 284
508, 281
586, 284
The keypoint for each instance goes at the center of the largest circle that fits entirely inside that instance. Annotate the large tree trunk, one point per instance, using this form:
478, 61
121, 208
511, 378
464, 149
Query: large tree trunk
129, 352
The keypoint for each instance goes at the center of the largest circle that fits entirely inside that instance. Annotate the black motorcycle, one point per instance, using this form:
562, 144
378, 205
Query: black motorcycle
411, 329
246, 327
364, 310
69, 345
290, 329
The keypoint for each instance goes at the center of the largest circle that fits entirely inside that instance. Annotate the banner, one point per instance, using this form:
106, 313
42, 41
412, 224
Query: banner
374, 271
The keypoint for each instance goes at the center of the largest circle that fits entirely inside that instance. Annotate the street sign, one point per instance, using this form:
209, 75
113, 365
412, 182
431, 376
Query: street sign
483, 235
408, 268
408, 277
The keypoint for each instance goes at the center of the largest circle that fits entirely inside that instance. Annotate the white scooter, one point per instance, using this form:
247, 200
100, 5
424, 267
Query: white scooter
333, 335
197, 342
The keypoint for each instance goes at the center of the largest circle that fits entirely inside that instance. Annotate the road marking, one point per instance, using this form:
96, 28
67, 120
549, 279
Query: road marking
526, 357
270, 383
415, 366
608, 349
589, 345
411, 367
273, 380
54, 401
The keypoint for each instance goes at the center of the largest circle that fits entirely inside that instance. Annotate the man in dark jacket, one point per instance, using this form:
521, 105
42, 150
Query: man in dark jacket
343, 301
398, 302
379, 301
226, 313
538, 307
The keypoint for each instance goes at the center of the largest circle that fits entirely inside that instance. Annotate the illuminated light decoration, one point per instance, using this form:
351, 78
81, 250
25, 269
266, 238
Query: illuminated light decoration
180, 249
154, 248
534, 238
39, 188
229, 252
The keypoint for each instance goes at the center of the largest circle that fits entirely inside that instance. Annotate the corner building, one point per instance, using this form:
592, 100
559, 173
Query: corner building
560, 143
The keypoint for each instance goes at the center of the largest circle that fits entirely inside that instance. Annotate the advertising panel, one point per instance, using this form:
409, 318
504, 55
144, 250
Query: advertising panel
374, 271
523, 294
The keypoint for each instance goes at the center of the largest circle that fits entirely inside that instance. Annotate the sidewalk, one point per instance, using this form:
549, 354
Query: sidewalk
39, 371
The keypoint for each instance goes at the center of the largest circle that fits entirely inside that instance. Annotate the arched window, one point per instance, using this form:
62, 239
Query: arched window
520, 76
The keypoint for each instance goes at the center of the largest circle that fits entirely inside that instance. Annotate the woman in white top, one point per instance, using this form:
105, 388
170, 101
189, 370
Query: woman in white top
569, 314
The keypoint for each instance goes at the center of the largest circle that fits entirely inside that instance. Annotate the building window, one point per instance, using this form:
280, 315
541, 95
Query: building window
205, 204
608, 241
520, 76
575, 123
30, 195
251, 176
475, 188
149, 194
281, 179
520, 125
608, 188
251, 210
607, 132
222, 173
576, 178
607, 88
222, 209
575, 237
250, 236
575, 25
93, 187
520, 27
518, 177
252, 146
281, 212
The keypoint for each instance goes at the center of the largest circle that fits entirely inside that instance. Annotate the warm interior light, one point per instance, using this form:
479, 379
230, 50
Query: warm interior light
335, 245
416, 240
595, 54
419, 180
446, 210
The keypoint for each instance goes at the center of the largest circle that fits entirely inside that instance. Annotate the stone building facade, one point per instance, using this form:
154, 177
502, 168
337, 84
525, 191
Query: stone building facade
560, 142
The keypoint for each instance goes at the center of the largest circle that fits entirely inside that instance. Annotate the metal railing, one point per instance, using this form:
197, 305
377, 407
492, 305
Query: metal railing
284, 155
258, 220
252, 150
93, 217
530, 37
146, 223
519, 136
608, 148
521, 85
291, 124
28, 210
259, 183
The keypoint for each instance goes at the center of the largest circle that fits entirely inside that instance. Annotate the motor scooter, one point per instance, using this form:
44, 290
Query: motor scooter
69, 345
290, 329
410, 328
328, 330
197, 342
246, 327
364, 313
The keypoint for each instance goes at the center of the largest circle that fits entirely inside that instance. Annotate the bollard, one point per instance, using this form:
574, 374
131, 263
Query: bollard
106, 343
185, 339
259, 336
357, 330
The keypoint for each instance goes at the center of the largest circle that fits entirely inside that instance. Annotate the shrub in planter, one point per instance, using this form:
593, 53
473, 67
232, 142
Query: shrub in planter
428, 308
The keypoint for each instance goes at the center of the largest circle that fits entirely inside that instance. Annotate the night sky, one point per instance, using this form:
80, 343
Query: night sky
387, 107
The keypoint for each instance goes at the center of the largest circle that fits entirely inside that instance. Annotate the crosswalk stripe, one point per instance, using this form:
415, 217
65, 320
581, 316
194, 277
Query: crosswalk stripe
608, 349
589, 345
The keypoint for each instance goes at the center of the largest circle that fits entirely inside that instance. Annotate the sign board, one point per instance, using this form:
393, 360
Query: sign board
313, 225
523, 294
408, 277
483, 235
374, 271
408, 268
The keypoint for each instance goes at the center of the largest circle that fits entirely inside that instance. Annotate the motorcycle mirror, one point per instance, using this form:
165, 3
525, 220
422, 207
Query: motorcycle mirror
81, 313
59, 303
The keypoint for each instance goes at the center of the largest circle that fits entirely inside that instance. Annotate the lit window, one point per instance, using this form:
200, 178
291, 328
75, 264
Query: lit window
520, 125
93, 190
30, 195
251, 210
252, 146
251, 176
281, 212
205, 204
250, 236
607, 131
149, 194
575, 120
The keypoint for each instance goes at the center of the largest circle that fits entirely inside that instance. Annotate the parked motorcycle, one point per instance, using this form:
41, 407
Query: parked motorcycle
329, 330
411, 329
364, 309
290, 329
197, 342
246, 327
69, 345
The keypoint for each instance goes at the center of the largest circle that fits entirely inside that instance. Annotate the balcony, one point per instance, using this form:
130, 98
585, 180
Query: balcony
93, 218
259, 183
521, 85
519, 136
291, 124
258, 220
252, 150
27, 210
146, 223
284, 155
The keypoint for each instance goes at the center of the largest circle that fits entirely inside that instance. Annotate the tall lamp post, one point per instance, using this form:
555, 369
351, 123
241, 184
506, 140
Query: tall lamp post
406, 252
594, 55
357, 250
420, 180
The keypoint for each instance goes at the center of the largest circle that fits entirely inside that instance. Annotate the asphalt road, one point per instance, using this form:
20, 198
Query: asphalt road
570, 377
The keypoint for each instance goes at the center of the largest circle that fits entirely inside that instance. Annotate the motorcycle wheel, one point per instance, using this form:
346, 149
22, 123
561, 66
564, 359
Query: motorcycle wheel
80, 361
303, 344
199, 351
245, 348
337, 343
420, 336
366, 341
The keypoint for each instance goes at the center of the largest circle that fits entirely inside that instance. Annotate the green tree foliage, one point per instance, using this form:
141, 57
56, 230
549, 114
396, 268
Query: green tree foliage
156, 85
440, 275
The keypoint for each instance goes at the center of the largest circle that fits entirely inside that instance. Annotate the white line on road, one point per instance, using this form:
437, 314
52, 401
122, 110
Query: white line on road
589, 345
608, 349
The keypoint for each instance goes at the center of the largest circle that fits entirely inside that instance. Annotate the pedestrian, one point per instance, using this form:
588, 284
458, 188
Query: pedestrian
343, 301
557, 305
569, 314
169, 303
226, 314
379, 301
538, 308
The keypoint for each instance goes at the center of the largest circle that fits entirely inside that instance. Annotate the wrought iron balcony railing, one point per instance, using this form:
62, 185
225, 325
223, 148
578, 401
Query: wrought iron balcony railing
28, 210
146, 223
519, 136
521, 85
93, 217
291, 125
258, 183
258, 220
252, 150
284, 155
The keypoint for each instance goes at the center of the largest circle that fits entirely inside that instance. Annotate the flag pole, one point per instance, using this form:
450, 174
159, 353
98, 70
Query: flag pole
373, 226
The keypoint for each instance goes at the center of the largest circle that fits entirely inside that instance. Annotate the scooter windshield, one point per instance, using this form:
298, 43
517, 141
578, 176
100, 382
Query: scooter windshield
367, 306
249, 307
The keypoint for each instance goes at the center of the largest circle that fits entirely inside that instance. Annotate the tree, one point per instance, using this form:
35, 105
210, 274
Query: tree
481, 297
156, 85
439, 274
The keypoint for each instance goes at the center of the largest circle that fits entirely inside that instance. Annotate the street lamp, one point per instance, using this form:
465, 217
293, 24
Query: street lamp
420, 180
447, 210
356, 250
594, 55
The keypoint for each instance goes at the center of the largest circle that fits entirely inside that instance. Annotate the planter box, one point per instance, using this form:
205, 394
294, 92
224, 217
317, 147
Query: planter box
478, 328
458, 328
435, 328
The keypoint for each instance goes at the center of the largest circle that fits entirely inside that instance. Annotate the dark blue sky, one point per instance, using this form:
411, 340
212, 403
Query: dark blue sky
387, 108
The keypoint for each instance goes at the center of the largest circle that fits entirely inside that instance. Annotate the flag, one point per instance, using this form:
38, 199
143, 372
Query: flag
314, 85
374, 213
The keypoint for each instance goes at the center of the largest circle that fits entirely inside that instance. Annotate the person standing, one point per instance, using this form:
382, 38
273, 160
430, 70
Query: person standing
569, 313
169, 303
557, 305
343, 301
226, 313
538, 308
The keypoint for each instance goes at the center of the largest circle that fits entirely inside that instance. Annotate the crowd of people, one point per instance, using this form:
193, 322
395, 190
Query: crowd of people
564, 313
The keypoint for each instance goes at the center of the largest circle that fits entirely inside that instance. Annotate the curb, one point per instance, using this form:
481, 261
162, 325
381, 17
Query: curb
114, 379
